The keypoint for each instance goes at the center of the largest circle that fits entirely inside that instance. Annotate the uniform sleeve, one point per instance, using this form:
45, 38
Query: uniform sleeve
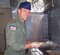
12, 38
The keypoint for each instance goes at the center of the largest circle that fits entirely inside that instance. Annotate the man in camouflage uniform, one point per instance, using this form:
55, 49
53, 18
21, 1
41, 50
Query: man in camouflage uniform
15, 34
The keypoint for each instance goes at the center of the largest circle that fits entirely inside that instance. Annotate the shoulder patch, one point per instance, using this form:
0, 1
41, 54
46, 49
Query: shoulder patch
12, 27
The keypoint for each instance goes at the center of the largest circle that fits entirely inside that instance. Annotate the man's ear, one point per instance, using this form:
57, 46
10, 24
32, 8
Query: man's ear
18, 11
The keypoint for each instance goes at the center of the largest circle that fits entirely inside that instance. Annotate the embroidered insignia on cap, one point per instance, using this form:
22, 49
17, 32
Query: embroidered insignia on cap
13, 27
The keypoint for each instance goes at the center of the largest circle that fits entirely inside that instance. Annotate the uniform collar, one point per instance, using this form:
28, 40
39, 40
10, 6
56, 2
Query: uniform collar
19, 20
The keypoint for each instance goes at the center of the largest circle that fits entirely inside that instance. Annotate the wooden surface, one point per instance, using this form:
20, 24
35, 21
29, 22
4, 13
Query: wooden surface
54, 52
1, 53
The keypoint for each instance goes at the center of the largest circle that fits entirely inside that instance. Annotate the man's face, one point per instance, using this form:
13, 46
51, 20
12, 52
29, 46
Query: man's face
24, 13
